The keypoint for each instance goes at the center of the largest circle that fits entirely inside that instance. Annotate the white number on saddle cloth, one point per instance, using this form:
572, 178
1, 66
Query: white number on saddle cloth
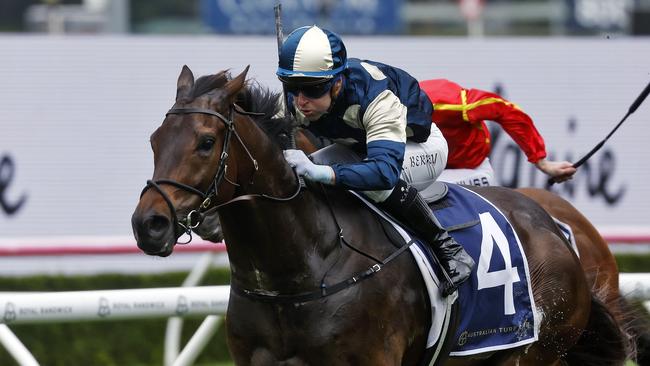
492, 234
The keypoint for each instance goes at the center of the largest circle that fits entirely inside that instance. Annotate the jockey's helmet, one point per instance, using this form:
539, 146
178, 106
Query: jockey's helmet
310, 54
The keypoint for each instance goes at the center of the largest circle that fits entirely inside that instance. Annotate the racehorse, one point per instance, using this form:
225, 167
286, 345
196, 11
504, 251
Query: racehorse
288, 244
597, 261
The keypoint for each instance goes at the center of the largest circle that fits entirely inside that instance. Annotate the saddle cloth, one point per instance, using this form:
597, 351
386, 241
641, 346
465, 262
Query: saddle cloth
497, 309
496, 303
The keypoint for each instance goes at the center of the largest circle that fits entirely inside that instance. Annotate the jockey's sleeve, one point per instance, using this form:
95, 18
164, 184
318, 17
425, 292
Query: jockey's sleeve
484, 105
384, 121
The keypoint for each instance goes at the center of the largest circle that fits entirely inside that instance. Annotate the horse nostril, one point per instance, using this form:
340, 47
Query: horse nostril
156, 225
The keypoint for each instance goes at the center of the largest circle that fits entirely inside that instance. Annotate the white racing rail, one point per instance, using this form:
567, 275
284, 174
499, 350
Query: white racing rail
47, 307
43, 307
105, 305
635, 286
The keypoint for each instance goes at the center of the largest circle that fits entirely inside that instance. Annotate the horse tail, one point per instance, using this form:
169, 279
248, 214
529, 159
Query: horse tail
637, 324
603, 342
633, 320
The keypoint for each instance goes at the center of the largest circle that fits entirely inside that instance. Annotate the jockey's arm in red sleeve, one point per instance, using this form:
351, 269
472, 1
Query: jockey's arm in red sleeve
484, 105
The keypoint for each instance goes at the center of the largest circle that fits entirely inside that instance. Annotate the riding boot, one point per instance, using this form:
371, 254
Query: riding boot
407, 205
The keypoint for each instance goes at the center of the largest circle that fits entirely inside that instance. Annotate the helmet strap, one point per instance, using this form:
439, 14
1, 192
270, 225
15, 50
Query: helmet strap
332, 91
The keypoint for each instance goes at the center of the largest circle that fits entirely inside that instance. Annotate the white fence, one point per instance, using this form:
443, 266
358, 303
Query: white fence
635, 286
48, 307
172, 303
43, 307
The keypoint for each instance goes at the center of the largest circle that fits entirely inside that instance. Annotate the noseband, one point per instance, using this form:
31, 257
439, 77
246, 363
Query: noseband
195, 217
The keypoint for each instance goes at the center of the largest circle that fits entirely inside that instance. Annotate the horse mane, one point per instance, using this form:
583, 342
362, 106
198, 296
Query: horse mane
256, 98
252, 98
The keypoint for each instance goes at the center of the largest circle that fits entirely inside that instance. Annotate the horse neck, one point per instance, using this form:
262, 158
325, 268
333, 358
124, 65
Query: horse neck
273, 243
265, 171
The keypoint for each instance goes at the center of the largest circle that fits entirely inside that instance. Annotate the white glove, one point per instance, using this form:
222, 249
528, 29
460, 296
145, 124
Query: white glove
304, 167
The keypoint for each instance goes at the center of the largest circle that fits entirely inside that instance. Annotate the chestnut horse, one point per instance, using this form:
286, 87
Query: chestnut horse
600, 267
290, 248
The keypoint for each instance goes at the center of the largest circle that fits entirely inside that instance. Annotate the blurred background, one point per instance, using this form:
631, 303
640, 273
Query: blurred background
84, 83
371, 17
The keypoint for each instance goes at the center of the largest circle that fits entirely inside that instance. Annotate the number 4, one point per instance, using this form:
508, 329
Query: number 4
492, 234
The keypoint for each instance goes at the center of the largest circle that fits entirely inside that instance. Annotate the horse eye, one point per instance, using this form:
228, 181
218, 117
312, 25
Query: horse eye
206, 144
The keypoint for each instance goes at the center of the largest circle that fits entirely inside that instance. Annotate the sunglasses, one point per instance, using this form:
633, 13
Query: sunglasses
312, 91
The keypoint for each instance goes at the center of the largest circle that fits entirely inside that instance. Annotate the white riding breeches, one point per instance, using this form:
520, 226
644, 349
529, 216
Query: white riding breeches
482, 175
423, 163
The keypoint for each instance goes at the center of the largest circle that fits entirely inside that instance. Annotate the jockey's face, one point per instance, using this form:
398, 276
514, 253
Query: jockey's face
313, 108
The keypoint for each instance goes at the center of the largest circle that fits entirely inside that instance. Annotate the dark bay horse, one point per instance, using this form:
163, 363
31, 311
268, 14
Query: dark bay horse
597, 261
286, 245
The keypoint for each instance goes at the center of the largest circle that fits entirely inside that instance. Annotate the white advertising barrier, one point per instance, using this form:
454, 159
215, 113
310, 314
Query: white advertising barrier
24, 308
77, 113
43, 307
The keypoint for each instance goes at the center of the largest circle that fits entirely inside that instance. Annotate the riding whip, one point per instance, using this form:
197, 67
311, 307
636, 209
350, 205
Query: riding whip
278, 26
631, 110
280, 37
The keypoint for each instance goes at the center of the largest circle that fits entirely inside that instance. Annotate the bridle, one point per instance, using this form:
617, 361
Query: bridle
195, 217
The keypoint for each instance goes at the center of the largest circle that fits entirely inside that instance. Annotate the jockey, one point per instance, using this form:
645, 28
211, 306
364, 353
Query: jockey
382, 109
461, 113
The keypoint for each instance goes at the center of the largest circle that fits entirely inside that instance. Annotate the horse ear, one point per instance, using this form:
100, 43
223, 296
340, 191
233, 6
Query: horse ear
185, 83
235, 85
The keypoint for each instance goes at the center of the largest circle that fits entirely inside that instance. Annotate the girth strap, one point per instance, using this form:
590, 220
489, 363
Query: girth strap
325, 290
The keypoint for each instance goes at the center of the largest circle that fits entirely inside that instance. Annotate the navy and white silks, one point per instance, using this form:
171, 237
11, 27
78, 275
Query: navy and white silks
382, 108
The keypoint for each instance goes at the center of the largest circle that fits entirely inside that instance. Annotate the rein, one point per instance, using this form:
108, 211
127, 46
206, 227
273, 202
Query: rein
195, 217
325, 290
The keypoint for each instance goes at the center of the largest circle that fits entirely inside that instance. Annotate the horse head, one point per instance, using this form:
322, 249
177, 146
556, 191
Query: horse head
201, 160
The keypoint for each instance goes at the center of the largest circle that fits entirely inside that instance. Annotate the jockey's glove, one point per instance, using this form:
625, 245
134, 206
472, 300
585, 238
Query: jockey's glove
306, 168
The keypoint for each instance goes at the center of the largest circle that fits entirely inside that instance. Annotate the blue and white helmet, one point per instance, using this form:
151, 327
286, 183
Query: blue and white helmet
312, 52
